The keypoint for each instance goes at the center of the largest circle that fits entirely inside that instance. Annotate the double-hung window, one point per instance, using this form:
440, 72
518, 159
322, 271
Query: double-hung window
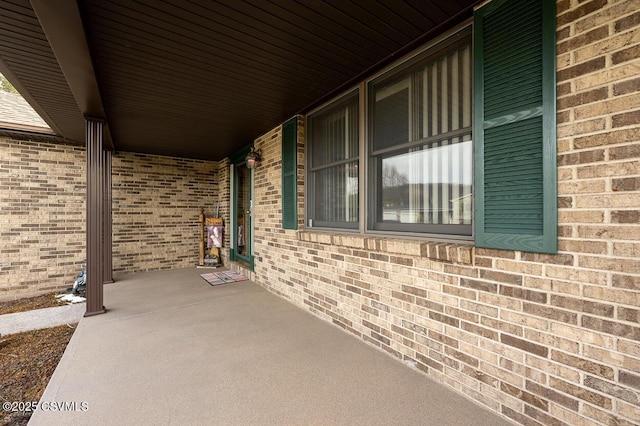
420, 149
333, 133
420, 155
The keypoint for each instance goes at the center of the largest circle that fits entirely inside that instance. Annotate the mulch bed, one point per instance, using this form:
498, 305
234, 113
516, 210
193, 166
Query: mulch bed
27, 360
44, 301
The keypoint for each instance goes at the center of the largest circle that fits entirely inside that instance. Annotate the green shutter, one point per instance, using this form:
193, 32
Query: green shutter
515, 126
289, 174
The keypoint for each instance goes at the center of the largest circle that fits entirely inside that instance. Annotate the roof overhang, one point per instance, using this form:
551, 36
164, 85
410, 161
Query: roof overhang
201, 79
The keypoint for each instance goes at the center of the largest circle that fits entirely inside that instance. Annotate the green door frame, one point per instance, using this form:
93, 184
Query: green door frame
236, 160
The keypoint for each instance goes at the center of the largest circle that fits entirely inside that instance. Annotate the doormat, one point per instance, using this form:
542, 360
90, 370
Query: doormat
217, 278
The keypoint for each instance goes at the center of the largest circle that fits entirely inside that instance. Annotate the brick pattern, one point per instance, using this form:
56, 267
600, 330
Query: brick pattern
156, 203
224, 198
42, 215
540, 339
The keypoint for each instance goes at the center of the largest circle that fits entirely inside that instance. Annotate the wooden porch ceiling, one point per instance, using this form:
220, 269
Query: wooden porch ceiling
200, 79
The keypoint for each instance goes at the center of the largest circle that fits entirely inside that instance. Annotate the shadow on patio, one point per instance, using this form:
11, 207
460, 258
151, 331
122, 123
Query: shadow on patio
174, 350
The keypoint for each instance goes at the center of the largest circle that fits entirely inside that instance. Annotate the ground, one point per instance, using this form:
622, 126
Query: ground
27, 360
44, 301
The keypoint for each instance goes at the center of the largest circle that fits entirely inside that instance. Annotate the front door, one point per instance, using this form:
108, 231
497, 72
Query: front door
242, 214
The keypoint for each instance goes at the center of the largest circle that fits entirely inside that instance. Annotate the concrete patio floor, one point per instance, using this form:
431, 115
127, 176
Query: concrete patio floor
174, 350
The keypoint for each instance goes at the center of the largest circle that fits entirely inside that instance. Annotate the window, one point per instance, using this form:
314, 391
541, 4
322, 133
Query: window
420, 151
441, 161
333, 165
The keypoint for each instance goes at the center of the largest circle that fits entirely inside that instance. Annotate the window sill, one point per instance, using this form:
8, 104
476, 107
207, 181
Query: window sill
461, 253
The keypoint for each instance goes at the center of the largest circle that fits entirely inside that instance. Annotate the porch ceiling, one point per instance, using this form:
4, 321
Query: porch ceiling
201, 79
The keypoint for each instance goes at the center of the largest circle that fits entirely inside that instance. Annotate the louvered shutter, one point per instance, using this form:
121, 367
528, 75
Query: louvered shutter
515, 126
289, 174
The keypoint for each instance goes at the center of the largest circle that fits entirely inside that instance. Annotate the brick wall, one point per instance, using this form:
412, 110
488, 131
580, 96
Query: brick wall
541, 339
156, 203
224, 198
42, 213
